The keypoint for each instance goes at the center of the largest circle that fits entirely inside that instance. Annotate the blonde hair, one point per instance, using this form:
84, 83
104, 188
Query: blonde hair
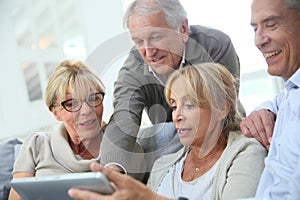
72, 76
211, 86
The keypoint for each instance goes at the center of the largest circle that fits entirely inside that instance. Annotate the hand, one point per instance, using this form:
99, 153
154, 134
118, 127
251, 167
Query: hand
126, 187
259, 124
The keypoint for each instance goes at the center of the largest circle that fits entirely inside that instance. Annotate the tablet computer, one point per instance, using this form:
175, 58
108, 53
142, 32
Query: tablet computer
56, 187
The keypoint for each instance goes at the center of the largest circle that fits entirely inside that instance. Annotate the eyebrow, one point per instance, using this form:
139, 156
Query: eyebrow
270, 18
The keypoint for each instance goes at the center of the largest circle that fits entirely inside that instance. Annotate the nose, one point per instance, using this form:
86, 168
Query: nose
261, 38
149, 49
85, 108
177, 115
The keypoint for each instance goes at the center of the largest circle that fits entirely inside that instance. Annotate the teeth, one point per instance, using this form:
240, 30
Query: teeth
182, 131
87, 123
269, 55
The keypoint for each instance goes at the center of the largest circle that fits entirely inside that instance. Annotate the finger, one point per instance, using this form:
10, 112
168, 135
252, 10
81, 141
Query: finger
245, 129
95, 166
114, 176
249, 128
269, 122
86, 195
260, 133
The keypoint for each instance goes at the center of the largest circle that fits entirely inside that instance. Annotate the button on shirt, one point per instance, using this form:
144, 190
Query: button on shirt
281, 176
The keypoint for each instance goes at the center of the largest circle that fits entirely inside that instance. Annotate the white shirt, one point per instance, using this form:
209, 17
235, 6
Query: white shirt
281, 176
173, 186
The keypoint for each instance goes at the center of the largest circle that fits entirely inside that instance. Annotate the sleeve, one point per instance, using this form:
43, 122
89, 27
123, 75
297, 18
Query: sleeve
27, 157
271, 105
219, 47
244, 172
227, 56
221, 50
119, 141
224, 53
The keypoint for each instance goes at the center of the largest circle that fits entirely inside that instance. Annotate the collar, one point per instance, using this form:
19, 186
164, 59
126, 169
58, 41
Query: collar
294, 81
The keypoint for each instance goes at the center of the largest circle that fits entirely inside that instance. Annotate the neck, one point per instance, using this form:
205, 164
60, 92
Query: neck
87, 149
197, 163
200, 153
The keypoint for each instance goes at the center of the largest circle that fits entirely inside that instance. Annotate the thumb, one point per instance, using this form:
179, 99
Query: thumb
95, 166
113, 175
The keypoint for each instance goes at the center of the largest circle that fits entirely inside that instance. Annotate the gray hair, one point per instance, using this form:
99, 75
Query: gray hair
174, 12
293, 4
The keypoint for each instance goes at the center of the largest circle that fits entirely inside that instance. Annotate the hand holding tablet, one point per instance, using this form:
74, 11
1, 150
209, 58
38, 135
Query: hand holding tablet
56, 187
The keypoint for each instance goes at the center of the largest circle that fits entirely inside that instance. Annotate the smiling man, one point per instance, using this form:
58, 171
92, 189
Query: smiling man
276, 25
163, 42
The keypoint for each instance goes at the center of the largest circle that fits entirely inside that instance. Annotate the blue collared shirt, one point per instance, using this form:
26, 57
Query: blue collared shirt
281, 176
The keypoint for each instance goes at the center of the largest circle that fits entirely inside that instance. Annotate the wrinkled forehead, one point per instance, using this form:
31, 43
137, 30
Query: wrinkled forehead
148, 31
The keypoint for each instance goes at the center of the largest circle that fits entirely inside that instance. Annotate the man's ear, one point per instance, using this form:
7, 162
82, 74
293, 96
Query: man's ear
55, 112
184, 30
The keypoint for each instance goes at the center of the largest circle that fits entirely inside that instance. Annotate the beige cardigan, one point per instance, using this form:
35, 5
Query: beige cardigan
237, 174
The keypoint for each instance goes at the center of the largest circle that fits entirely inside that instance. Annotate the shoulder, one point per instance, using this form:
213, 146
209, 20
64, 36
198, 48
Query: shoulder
133, 61
37, 139
238, 142
197, 31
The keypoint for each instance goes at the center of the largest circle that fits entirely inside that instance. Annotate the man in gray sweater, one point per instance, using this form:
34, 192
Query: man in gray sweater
164, 42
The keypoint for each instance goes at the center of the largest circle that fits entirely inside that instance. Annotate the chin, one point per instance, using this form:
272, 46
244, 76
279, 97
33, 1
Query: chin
163, 69
185, 142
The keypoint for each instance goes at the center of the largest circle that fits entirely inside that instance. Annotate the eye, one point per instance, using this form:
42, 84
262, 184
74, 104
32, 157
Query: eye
93, 98
173, 107
138, 42
271, 25
189, 105
156, 37
72, 103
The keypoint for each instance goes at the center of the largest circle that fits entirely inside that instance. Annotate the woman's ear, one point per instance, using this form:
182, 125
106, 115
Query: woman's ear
227, 109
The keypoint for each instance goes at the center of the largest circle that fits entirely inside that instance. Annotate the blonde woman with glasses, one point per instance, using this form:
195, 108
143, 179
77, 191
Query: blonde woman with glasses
74, 96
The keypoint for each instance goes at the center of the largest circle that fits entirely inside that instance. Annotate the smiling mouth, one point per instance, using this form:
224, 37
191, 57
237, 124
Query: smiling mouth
271, 54
157, 60
87, 123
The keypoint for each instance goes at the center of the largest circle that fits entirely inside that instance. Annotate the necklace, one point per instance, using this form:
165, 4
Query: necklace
194, 167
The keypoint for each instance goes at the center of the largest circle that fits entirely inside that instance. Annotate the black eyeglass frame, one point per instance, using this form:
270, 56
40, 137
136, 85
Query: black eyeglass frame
81, 101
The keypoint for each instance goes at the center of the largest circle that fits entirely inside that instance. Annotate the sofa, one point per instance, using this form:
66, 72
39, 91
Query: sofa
9, 149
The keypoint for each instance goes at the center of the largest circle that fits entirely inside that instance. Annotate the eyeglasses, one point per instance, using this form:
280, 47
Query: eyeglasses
73, 105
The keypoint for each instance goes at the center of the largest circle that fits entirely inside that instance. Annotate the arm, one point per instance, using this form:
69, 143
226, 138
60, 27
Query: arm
119, 142
25, 163
126, 188
220, 49
13, 195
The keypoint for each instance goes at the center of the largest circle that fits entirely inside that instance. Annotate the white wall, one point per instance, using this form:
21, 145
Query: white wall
19, 116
